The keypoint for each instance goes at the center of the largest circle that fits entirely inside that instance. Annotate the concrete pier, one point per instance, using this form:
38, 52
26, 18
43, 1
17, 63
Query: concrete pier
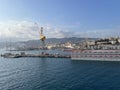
42, 55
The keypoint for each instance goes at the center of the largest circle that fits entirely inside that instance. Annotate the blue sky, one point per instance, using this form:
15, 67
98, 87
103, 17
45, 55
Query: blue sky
60, 18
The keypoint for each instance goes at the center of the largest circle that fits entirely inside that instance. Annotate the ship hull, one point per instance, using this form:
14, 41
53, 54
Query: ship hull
97, 59
96, 55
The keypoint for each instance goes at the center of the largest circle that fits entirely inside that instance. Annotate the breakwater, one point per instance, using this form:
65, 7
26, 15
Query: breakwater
41, 55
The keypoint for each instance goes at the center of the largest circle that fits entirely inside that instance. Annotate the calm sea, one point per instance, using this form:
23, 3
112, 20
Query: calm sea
58, 74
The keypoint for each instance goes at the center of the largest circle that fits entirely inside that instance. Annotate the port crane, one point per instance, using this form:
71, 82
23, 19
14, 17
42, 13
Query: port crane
42, 38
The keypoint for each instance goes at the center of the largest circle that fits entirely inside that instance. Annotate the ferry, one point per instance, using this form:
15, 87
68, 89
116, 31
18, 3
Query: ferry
96, 55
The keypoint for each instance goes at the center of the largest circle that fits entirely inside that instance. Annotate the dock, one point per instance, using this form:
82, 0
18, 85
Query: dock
42, 55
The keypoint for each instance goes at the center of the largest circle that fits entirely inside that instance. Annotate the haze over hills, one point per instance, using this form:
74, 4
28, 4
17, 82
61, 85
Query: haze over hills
37, 43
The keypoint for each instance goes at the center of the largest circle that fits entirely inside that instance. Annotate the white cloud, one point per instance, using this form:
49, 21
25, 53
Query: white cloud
27, 30
22, 30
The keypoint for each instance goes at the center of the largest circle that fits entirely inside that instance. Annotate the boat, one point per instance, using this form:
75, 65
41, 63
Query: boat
10, 55
107, 49
96, 55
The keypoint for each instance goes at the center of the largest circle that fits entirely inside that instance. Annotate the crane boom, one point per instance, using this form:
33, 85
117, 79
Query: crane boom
41, 33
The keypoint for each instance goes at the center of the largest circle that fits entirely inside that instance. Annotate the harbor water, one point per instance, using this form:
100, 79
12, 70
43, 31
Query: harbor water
58, 74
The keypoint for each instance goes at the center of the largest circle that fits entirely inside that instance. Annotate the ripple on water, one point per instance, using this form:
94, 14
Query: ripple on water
58, 74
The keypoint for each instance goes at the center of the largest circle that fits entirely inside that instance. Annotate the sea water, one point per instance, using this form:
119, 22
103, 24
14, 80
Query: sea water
58, 74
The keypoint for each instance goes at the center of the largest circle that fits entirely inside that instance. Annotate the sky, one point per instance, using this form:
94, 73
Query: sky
59, 18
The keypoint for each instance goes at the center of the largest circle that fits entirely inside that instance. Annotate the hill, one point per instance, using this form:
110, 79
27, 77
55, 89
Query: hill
37, 43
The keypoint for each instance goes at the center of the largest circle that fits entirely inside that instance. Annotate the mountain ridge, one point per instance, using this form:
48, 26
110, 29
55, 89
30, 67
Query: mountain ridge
37, 43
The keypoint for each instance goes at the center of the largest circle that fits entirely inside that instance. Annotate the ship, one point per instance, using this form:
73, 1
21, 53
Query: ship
101, 50
96, 55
